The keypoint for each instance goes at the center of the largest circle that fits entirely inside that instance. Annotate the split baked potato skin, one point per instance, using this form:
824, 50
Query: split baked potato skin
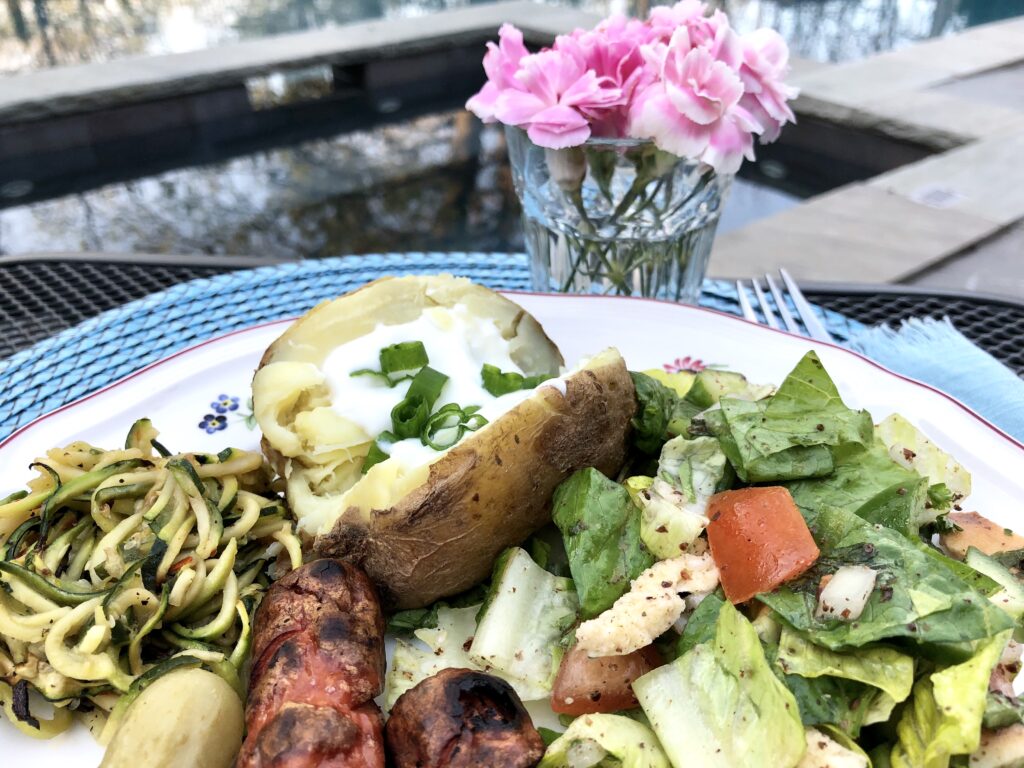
491, 491
289, 386
426, 532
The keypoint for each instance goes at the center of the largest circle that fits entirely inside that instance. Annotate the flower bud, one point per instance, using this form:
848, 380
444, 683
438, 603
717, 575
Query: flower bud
567, 167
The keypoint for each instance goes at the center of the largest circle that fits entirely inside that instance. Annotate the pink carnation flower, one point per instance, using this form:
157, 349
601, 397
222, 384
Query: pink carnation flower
765, 64
612, 52
665, 19
500, 63
694, 110
553, 98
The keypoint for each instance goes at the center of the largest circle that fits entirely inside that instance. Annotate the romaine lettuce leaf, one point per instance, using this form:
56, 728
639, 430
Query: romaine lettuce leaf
1001, 711
867, 482
601, 530
661, 413
945, 715
446, 648
673, 504
521, 625
911, 448
597, 741
879, 667
791, 434
720, 704
844, 704
701, 625
915, 596
828, 748
695, 467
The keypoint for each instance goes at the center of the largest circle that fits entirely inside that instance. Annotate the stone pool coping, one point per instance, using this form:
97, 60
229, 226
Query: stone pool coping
889, 228
948, 94
64, 90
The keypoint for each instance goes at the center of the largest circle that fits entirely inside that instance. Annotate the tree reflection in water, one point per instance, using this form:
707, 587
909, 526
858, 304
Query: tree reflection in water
437, 183
41, 33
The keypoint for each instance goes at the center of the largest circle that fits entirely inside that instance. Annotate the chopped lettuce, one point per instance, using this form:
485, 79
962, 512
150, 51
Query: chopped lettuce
695, 467
911, 586
701, 625
668, 526
827, 748
791, 434
910, 447
673, 504
446, 648
605, 741
877, 666
522, 623
833, 701
1001, 711
408, 621
720, 704
866, 482
945, 715
601, 530
661, 414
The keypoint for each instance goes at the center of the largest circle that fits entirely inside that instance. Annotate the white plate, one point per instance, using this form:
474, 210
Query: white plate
182, 392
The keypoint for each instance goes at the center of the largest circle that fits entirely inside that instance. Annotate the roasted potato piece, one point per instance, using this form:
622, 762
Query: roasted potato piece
186, 719
318, 662
431, 527
460, 718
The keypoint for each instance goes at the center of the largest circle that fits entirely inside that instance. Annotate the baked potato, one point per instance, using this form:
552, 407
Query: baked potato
426, 523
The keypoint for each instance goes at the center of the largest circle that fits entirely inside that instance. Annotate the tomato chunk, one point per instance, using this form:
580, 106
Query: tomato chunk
758, 539
585, 686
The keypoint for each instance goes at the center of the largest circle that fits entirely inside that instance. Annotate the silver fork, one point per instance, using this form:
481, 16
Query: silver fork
815, 328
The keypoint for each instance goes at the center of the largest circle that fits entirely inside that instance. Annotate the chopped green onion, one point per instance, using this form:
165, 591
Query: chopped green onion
500, 383
375, 456
383, 377
404, 356
410, 416
446, 427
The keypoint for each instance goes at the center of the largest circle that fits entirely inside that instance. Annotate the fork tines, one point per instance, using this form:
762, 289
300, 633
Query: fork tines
779, 307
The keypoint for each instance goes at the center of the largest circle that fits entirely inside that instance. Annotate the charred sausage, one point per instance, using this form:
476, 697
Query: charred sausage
461, 719
318, 662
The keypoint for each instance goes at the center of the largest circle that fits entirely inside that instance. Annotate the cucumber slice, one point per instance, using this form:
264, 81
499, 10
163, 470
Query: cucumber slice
680, 382
711, 386
1011, 597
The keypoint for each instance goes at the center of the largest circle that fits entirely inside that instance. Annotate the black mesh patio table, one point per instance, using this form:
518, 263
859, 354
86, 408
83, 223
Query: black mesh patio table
43, 294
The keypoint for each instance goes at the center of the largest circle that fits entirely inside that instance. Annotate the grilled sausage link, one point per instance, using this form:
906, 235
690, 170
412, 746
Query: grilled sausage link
461, 719
318, 662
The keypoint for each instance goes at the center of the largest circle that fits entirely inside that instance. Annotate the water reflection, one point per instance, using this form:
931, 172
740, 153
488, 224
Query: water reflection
437, 183
42, 33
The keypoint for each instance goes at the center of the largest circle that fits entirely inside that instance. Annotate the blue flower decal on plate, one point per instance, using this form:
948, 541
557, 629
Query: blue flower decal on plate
212, 423
224, 403
228, 409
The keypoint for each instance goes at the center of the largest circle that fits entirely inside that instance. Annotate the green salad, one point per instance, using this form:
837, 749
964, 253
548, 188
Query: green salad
775, 579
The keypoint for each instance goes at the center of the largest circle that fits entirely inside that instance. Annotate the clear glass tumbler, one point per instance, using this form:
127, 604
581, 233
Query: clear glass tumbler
616, 216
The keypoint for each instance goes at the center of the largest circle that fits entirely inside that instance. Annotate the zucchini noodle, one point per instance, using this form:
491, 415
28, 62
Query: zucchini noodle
119, 566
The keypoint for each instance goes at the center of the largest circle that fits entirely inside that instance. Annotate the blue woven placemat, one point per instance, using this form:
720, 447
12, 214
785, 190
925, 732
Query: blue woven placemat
80, 360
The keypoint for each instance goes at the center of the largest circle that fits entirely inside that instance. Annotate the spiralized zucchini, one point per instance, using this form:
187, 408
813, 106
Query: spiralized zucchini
117, 566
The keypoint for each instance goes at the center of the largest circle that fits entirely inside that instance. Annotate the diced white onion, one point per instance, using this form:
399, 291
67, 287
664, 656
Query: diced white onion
846, 593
